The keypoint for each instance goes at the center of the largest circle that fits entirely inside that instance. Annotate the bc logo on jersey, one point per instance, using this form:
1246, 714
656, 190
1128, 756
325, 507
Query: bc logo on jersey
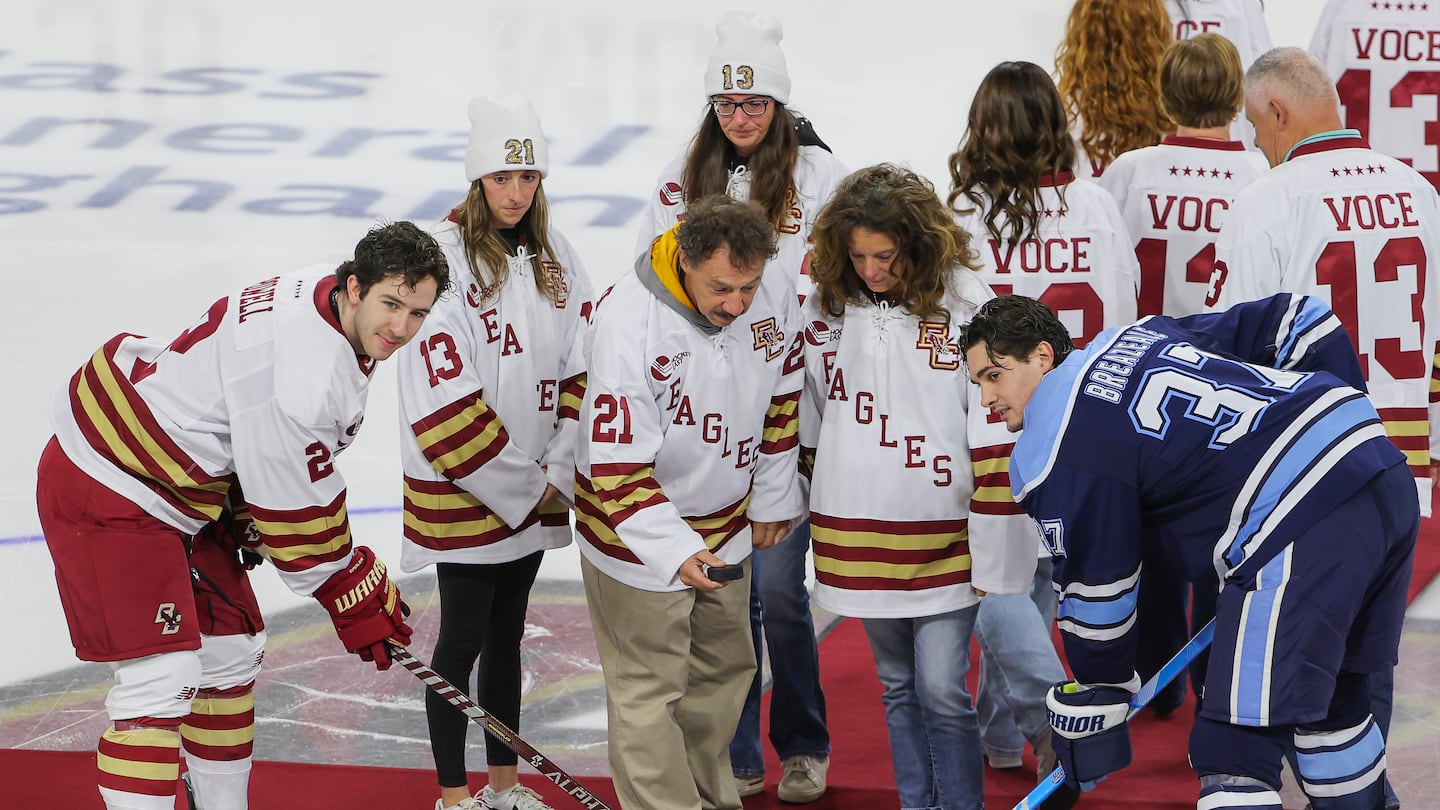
168, 618
935, 338
555, 277
768, 337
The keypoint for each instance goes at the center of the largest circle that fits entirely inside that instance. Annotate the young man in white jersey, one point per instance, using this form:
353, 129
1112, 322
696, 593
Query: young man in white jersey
686, 460
153, 440
1360, 230
1240, 21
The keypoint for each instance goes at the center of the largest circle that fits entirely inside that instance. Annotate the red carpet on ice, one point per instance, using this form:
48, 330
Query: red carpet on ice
860, 771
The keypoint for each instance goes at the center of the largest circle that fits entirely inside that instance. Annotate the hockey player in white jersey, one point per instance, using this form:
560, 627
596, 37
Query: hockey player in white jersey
151, 438
489, 396
1240, 21
1039, 230
1387, 70
886, 410
753, 146
686, 460
1175, 196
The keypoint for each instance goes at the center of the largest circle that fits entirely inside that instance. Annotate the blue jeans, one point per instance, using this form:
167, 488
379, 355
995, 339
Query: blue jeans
780, 604
934, 737
999, 732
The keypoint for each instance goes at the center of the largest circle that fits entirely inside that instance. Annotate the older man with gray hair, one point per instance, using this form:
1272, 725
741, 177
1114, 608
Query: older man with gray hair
1337, 220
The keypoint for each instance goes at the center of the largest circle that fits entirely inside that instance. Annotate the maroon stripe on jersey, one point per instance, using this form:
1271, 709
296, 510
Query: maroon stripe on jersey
445, 414
958, 548
332, 516
150, 472
1203, 143
906, 527
978, 454
995, 507
572, 393
888, 584
144, 787
1327, 146
779, 419
455, 541
614, 468
588, 509
483, 421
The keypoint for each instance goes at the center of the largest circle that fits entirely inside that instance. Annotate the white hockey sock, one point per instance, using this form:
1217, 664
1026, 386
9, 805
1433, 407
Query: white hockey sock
220, 785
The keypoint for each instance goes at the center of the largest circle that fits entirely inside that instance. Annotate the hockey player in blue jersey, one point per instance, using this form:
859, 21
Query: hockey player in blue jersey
1241, 443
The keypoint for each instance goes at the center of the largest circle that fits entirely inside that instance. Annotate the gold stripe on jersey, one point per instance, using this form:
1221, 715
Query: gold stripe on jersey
119, 425
862, 554
299, 539
595, 524
1409, 430
572, 394
141, 760
992, 495
1435, 378
782, 427
440, 515
461, 437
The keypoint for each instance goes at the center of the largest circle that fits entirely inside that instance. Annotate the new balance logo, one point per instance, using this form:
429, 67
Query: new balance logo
168, 618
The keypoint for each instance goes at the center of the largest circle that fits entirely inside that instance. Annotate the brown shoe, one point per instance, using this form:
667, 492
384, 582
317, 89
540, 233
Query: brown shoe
750, 785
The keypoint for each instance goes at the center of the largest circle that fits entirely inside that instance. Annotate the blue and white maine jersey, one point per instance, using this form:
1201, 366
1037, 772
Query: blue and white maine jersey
1214, 439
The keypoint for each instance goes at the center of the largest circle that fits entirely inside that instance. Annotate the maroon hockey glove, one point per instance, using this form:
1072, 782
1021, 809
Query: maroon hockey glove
366, 608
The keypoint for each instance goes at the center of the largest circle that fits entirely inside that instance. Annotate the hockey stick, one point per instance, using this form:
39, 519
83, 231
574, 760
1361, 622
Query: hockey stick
499, 730
1167, 673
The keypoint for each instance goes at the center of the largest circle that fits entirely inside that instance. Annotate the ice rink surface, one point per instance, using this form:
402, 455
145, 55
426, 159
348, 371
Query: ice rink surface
157, 154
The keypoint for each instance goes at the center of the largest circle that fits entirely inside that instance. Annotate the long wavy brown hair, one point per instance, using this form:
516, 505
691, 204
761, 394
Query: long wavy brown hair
484, 247
772, 167
1017, 133
1109, 64
903, 205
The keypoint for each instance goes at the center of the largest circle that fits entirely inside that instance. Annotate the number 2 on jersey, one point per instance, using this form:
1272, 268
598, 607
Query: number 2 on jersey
185, 342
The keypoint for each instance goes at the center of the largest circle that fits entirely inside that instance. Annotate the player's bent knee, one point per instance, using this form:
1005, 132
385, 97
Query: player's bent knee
161, 685
1224, 792
1344, 769
230, 661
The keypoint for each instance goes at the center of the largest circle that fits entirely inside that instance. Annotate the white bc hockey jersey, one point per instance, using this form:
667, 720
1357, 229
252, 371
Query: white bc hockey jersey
817, 173
265, 389
910, 492
1174, 198
1386, 64
688, 431
489, 396
1361, 232
1081, 263
1240, 21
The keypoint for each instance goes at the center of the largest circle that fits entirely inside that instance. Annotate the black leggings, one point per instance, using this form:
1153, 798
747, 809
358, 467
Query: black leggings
482, 608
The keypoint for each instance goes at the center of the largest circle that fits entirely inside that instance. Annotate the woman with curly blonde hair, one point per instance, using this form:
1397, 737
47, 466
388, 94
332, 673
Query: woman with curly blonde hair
1108, 63
908, 545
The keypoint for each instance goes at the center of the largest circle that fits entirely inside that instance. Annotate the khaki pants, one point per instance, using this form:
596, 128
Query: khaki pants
677, 666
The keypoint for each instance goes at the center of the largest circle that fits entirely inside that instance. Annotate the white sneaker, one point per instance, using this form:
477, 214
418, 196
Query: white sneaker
518, 797
804, 779
464, 804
